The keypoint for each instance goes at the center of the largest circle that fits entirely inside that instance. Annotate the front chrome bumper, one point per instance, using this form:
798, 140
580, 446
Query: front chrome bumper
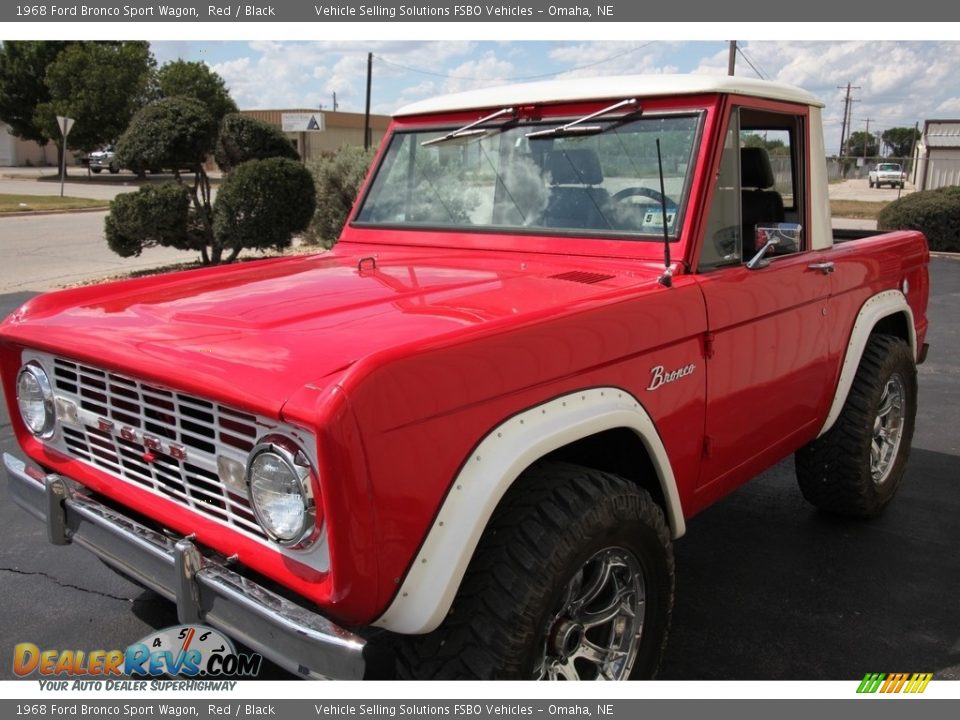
296, 639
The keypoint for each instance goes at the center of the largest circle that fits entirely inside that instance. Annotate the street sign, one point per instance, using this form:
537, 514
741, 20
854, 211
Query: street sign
65, 124
302, 122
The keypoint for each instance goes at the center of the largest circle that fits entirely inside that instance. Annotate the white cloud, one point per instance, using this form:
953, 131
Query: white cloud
276, 74
899, 82
485, 71
950, 107
895, 83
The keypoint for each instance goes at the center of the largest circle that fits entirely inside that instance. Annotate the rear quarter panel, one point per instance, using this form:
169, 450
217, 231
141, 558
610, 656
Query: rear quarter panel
869, 266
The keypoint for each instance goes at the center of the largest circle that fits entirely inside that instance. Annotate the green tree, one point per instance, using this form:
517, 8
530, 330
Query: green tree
244, 138
261, 204
773, 147
154, 215
196, 80
899, 140
23, 87
176, 133
862, 144
338, 177
100, 85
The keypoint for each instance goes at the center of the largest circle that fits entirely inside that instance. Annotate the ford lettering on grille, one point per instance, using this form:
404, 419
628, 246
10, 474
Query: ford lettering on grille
166, 441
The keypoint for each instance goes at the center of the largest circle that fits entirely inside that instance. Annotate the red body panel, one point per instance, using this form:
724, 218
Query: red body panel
401, 365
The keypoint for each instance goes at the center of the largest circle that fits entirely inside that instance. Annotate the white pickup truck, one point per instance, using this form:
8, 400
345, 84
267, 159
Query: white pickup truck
887, 174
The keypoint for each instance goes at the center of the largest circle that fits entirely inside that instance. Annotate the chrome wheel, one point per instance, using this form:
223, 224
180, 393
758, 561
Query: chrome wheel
887, 430
596, 631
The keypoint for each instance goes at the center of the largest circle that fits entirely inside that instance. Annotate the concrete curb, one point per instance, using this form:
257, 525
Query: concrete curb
945, 255
33, 213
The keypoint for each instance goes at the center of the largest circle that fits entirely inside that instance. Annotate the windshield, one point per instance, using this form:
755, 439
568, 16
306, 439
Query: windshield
606, 183
888, 166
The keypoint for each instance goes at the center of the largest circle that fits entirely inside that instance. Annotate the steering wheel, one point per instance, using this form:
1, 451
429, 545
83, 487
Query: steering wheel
635, 191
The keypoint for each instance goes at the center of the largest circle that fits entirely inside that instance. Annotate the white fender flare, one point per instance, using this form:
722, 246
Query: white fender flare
881, 305
425, 596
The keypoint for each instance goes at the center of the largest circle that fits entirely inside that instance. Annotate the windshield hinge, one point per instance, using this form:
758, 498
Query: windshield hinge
708, 345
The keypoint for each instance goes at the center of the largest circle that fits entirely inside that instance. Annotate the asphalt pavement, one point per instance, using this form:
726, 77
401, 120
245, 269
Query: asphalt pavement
767, 587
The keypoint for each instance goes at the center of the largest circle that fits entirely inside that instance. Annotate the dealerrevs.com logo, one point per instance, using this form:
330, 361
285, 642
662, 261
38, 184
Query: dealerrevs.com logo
188, 651
911, 683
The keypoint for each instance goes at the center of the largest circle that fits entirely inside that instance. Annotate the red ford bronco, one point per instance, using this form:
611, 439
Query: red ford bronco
562, 319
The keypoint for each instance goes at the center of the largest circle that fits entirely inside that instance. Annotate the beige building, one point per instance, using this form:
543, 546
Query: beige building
316, 131
15, 152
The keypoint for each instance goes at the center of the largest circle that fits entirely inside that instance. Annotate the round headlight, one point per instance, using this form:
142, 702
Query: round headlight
35, 400
278, 478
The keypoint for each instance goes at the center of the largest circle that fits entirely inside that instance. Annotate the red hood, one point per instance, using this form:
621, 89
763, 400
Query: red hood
254, 333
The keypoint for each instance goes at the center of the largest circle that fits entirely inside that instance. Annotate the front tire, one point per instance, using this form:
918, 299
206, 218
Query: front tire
572, 579
856, 467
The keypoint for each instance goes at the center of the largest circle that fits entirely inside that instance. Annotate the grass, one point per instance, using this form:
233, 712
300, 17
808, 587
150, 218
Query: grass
857, 209
28, 203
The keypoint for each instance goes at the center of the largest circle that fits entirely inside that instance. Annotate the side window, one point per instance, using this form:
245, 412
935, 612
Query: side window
756, 194
722, 242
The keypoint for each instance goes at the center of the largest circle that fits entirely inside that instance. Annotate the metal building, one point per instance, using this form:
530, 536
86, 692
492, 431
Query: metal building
938, 155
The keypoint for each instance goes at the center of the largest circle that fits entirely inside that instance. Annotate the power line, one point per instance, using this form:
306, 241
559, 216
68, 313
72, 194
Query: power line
519, 77
763, 75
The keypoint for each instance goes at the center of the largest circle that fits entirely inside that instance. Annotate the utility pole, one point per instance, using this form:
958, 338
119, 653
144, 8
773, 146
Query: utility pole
366, 115
846, 116
335, 105
866, 137
732, 58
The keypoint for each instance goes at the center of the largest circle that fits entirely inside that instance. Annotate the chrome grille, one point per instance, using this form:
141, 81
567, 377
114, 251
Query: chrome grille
116, 413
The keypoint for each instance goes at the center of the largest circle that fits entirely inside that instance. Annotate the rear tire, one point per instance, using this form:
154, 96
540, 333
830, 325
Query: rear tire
573, 579
856, 467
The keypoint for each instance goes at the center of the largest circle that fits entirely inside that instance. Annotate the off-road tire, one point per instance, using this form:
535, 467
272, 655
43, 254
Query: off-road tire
554, 519
835, 471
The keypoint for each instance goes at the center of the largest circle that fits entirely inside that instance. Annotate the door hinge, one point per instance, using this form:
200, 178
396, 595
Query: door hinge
708, 345
707, 447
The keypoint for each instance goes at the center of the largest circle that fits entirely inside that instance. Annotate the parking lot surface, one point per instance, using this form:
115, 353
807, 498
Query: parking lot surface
767, 587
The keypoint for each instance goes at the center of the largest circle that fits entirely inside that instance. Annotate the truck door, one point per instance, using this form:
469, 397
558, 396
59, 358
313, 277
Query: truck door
767, 340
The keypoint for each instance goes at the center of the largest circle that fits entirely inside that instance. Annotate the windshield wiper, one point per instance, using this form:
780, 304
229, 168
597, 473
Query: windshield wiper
575, 128
471, 129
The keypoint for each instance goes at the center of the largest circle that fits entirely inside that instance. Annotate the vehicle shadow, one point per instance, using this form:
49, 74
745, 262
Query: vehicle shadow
769, 588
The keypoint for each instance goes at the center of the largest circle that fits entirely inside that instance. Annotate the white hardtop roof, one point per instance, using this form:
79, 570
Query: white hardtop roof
607, 88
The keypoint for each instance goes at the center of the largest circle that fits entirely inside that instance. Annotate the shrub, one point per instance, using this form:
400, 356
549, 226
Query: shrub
338, 177
261, 204
173, 133
244, 138
935, 213
154, 215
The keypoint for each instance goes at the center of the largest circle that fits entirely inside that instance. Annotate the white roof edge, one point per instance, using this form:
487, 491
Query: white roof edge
610, 87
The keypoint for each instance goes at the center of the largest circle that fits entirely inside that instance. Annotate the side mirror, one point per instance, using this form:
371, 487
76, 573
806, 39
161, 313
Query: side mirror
780, 235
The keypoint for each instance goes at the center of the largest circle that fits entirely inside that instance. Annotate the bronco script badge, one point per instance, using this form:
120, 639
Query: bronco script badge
658, 377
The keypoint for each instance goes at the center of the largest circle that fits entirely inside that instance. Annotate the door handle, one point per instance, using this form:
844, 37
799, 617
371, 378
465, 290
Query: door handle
825, 267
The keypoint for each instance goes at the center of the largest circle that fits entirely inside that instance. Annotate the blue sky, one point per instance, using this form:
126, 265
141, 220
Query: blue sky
900, 82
